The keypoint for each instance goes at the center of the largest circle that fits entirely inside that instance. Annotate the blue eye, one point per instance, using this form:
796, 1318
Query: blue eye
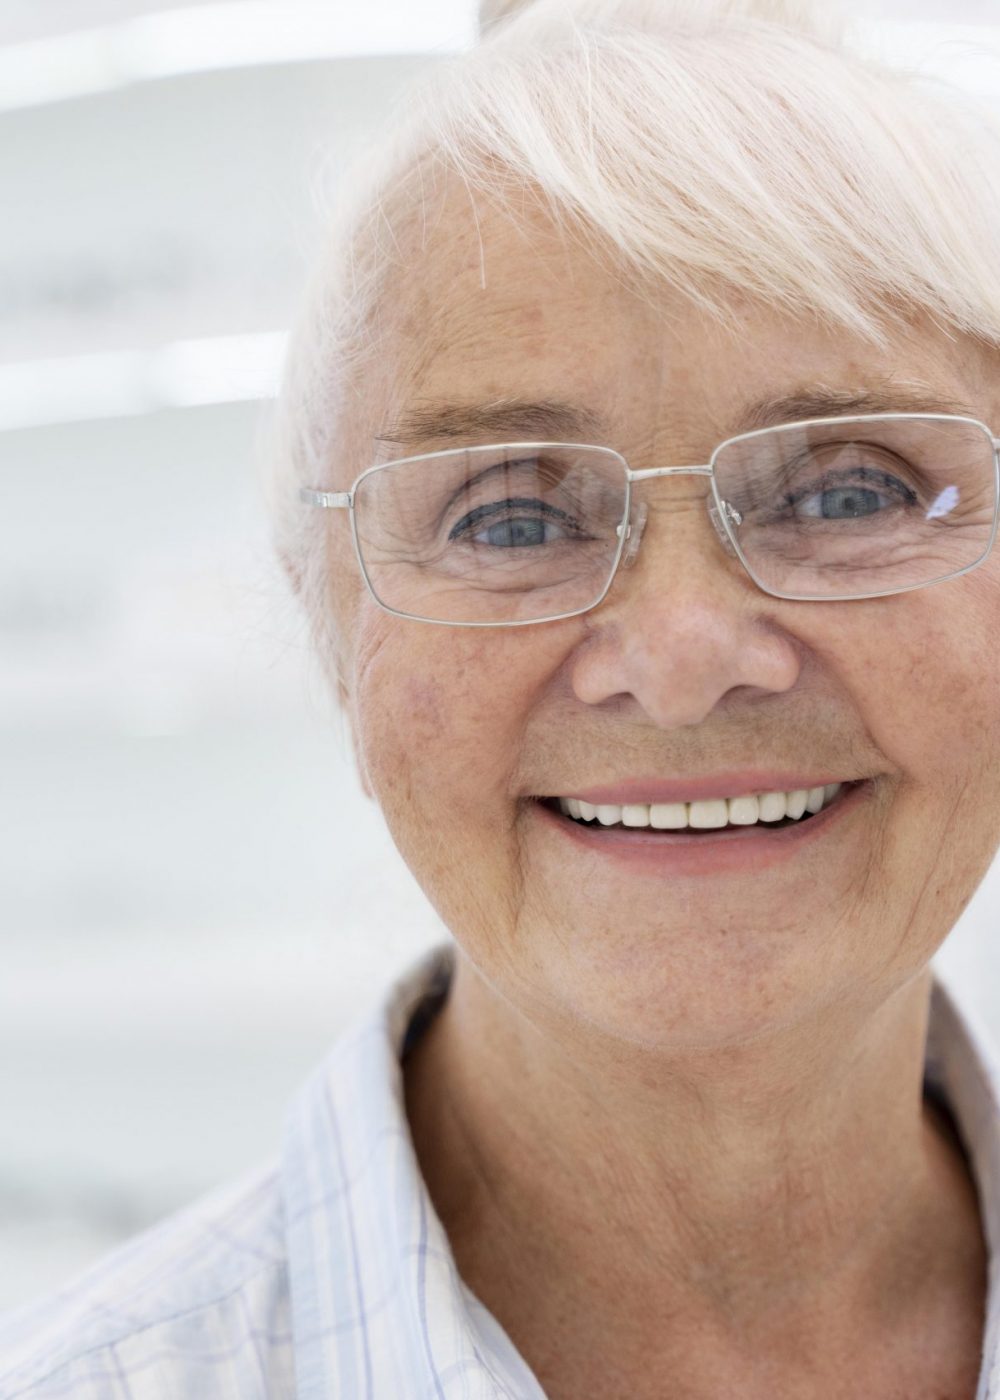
496, 525
864, 493
517, 533
849, 502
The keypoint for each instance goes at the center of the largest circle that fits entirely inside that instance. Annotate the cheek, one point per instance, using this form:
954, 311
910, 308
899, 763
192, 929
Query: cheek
927, 684
438, 717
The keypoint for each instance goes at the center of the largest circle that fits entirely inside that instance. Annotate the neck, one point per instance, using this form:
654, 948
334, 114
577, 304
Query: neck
727, 1185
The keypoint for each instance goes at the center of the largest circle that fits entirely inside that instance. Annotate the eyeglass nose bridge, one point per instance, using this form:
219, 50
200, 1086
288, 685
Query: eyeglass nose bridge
636, 525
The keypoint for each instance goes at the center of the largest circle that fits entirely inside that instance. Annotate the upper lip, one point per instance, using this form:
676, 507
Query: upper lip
739, 782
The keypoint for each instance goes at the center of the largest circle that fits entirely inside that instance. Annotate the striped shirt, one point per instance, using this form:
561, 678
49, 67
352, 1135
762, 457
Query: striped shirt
327, 1275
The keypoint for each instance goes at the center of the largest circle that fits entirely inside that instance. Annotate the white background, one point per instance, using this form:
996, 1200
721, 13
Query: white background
193, 892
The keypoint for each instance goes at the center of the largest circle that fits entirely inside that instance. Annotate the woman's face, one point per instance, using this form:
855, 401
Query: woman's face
685, 671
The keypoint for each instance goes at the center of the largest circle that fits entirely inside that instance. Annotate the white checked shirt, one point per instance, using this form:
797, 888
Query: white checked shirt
328, 1276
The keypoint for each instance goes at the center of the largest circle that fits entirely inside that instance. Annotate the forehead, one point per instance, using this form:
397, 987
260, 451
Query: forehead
490, 307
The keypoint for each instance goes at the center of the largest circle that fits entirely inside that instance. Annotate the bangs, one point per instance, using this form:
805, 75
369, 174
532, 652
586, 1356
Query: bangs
736, 157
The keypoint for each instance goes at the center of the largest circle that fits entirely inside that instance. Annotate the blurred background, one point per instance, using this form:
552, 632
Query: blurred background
194, 894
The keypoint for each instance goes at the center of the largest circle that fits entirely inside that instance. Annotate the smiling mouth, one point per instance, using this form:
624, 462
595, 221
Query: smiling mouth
770, 811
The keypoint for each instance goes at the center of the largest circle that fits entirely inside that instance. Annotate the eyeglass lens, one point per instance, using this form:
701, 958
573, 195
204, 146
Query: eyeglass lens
835, 510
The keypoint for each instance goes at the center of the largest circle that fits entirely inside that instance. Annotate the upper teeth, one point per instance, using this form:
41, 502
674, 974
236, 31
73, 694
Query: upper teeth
723, 811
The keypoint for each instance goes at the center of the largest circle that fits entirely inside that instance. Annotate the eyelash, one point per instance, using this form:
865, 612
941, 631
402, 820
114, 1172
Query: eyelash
497, 508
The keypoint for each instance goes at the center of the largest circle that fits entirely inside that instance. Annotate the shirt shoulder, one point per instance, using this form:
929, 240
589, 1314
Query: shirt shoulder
196, 1306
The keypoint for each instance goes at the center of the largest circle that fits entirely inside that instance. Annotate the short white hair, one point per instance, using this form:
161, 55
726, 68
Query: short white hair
714, 147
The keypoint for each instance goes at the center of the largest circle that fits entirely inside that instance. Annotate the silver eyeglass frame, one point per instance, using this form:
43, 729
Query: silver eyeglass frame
723, 516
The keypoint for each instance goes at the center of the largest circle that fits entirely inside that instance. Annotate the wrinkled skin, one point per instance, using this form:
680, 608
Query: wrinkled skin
681, 1098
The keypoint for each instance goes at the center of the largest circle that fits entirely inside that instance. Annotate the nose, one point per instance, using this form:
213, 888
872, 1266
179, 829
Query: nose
634, 530
683, 624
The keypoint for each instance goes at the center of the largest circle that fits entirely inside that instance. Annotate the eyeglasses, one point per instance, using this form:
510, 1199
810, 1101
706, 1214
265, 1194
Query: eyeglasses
820, 511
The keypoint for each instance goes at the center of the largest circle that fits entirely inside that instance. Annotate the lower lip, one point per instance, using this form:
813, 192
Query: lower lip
732, 850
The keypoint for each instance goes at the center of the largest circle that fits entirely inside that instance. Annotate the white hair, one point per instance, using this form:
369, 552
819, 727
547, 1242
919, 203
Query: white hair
714, 147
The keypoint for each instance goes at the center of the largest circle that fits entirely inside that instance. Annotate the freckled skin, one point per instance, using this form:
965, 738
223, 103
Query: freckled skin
772, 1021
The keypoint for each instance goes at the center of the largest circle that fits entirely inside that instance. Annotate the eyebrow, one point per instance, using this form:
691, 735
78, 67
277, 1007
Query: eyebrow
551, 419
556, 420
821, 402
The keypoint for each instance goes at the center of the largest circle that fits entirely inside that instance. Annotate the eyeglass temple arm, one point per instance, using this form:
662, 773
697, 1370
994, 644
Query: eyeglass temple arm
331, 499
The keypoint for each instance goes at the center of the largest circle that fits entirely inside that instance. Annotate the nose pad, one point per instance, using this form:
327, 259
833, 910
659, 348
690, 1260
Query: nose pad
634, 529
731, 515
633, 535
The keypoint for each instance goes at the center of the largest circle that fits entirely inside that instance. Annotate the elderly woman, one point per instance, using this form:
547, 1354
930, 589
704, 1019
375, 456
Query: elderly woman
638, 470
